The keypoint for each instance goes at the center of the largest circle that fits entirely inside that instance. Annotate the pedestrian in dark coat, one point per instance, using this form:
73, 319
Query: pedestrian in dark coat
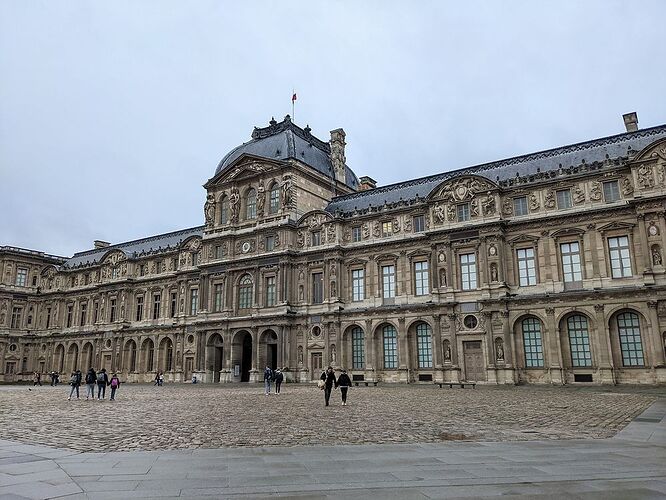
115, 383
102, 382
329, 382
75, 382
344, 383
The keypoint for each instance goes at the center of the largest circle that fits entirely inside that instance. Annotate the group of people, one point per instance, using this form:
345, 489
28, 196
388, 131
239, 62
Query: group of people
99, 379
327, 382
159, 379
55, 378
271, 376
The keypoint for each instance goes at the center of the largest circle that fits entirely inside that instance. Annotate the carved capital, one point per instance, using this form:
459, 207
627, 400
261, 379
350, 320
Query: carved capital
550, 311
652, 304
599, 307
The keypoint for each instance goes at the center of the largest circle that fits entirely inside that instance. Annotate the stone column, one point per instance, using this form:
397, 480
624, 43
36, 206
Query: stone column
554, 350
603, 346
369, 346
654, 340
645, 247
437, 342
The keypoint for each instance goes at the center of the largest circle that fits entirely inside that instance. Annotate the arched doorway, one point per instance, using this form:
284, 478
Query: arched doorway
166, 355
214, 356
59, 358
130, 356
242, 356
87, 358
147, 355
269, 349
73, 357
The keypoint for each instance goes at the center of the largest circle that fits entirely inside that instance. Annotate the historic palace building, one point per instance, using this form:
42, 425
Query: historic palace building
543, 268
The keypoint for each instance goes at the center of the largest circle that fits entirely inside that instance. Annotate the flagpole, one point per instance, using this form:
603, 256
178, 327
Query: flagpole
293, 106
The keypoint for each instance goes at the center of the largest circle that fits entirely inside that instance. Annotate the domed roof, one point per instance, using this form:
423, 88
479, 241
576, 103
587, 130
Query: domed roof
286, 140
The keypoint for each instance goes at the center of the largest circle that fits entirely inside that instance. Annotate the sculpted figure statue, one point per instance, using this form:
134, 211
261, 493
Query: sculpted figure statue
261, 198
209, 209
234, 204
286, 194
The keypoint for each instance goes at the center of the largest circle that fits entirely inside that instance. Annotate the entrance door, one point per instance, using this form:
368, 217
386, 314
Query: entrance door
316, 364
271, 355
189, 364
475, 369
246, 361
217, 363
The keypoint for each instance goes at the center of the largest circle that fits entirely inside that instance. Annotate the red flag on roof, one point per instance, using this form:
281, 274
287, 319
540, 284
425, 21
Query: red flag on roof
293, 97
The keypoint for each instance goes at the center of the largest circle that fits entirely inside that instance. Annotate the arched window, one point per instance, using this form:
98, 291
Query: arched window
390, 338
131, 356
224, 210
358, 348
579, 341
148, 354
245, 292
532, 343
167, 354
424, 345
274, 199
629, 329
251, 204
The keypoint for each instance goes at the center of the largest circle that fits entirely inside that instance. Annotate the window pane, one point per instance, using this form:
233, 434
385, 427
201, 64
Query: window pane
424, 345
564, 199
611, 191
274, 202
468, 271
629, 329
194, 301
520, 206
532, 343
463, 212
579, 341
251, 204
356, 233
619, 257
419, 223
390, 347
270, 291
358, 284
387, 229
422, 286
526, 266
571, 262
317, 288
358, 349
217, 303
388, 279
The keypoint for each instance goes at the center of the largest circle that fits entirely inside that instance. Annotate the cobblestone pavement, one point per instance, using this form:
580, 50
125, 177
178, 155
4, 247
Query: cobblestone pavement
145, 417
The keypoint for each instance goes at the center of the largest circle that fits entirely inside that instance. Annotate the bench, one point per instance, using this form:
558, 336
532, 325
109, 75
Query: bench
367, 384
460, 384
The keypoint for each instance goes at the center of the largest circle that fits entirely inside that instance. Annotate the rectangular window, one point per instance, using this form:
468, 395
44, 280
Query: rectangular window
463, 212
631, 346
387, 229
86, 278
468, 271
217, 297
317, 288
358, 285
390, 348
316, 238
158, 266
172, 307
388, 281
21, 276
139, 307
16, 317
157, 305
563, 199
70, 313
532, 343
520, 206
421, 278
611, 191
526, 266
142, 270
82, 318
356, 233
48, 317
358, 349
218, 251
571, 268
419, 223
114, 273
112, 309
579, 341
194, 301
195, 259
270, 243
274, 200
270, 291
95, 311
174, 263
620, 259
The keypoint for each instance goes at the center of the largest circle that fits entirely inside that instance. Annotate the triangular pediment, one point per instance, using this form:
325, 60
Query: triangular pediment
614, 226
572, 231
524, 238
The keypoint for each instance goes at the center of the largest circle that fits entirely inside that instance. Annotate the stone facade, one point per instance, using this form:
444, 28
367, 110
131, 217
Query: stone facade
545, 268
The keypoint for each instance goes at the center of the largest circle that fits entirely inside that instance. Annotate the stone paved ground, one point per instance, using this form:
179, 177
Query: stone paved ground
206, 416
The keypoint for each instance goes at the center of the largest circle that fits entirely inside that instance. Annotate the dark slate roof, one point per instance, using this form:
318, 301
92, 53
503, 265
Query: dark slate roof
502, 171
136, 248
283, 141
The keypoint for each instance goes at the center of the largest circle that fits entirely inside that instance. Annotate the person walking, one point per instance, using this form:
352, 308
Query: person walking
75, 382
91, 379
344, 383
38, 379
114, 384
57, 378
52, 375
157, 379
279, 377
102, 382
329, 381
160, 381
268, 376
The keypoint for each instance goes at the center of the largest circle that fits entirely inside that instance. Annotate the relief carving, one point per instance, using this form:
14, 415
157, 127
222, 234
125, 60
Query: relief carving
534, 202
549, 201
489, 205
439, 213
578, 195
627, 187
645, 177
209, 209
234, 204
595, 191
261, 198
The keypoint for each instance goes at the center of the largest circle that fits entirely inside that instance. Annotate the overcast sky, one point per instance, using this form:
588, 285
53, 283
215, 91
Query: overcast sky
113, 114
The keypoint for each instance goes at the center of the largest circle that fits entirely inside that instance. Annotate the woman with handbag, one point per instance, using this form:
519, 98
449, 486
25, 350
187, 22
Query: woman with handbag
328, 377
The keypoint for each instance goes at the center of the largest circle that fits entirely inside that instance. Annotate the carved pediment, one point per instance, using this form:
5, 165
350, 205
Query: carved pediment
572, 231
523, 238
653, 152
462, 189
114, 256
314, 220
615, 226
386, 256
244, 167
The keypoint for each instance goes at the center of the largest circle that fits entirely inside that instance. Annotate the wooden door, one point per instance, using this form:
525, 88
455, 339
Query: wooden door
475, 368
316, 365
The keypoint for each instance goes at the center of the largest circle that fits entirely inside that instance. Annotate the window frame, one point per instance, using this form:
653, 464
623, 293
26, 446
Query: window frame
580, 351
194, 301
357, 234
218, 297
530, 278
564, 265
358, 348
388, 280
628, 341
524, 203
140, 298
418, 227
251, 204
424, 352
317, 280
270, 285
469, 283
245, 292
22, 276
617, 192
389, 347
463, 212
421, 277
567, 197
274, 199
533, 350
625, 262
358, 284
157, 305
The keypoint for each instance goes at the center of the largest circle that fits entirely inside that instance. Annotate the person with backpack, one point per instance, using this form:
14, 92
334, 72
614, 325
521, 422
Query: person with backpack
279, 377
91, 378
268, 376
102, 382
114, 384
75, 382
344, 383
329, 381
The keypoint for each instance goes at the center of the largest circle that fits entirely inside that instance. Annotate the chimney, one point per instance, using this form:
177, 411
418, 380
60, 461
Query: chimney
631, 121
101, 244
338, 154
367, 183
